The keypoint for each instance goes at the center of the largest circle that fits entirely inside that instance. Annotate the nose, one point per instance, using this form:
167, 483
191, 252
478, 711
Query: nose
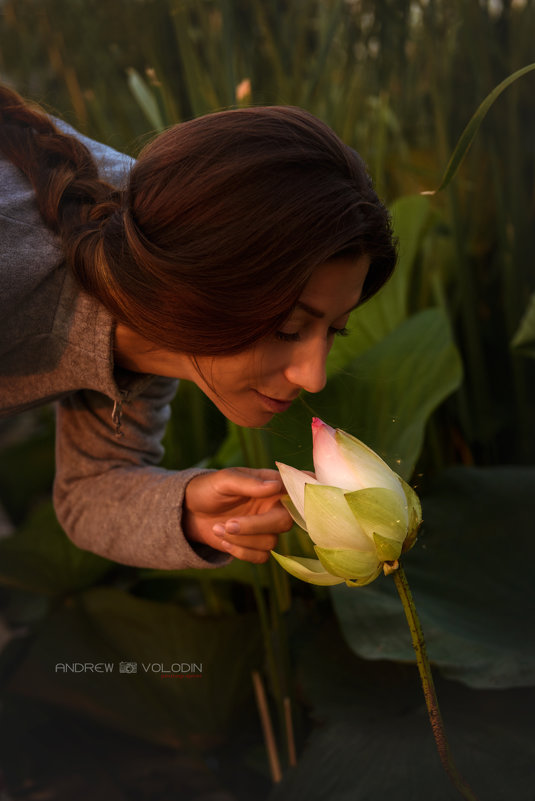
306, 369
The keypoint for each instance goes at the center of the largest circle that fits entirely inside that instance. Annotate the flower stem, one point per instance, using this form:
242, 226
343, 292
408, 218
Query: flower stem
424, 668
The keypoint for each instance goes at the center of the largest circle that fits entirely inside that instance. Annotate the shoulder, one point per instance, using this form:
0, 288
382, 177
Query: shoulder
29, 251
113, 165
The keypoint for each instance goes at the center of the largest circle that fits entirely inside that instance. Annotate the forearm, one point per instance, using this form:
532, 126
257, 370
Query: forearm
133, 515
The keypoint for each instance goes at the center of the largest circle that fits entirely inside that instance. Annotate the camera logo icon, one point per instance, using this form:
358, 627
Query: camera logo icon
127, 667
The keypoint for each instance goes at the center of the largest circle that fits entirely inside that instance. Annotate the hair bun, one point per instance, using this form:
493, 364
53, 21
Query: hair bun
103, 210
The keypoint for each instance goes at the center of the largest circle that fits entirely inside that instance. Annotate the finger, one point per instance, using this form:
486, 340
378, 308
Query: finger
274, 521
259, 542
245, 554
249, 483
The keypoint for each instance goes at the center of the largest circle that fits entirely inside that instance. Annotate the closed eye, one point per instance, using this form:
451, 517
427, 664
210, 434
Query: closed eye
286, 337
339, 332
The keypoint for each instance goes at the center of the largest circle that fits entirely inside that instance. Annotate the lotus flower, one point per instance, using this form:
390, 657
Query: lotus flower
359, 514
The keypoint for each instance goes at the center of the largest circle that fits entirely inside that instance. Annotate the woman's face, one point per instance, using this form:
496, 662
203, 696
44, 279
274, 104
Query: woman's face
250, 387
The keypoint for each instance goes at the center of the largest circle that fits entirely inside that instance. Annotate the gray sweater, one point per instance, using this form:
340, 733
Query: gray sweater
56, 344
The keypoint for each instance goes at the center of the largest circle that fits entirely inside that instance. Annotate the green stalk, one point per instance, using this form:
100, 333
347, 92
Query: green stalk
266, 631
255, 450
431, 700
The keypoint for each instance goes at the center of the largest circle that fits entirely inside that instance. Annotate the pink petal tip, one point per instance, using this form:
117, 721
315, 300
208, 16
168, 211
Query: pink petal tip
318, 425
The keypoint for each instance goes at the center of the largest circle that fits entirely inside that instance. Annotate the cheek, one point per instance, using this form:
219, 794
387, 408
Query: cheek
270, 358
250, 369
237, 373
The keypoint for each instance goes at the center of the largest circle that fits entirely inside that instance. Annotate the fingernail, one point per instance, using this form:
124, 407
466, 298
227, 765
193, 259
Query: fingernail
232, 527
226, 545
219, 530
271, 481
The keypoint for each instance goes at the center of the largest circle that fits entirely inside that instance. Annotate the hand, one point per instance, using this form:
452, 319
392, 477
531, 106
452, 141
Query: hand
236, 510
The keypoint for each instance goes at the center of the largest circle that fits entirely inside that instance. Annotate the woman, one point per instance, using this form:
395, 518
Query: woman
230, 254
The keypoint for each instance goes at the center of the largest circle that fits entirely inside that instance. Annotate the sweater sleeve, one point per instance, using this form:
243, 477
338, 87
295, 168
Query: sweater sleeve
110, 496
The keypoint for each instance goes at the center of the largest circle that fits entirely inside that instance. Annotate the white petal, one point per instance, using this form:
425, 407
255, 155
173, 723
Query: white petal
294, 480
371, 469
289, 505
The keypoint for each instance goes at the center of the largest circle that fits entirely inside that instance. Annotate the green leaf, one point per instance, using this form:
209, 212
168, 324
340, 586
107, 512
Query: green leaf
471, 577
145, 98
41, 558
373, 740
309, 570
524, 338
359, 566
237, 570
471, 129
381, 512
106, 625
385, 311
27, 464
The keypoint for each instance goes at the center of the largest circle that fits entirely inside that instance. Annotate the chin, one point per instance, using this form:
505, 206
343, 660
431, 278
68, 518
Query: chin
250, 419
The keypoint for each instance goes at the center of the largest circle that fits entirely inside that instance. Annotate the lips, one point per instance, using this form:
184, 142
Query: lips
274, 404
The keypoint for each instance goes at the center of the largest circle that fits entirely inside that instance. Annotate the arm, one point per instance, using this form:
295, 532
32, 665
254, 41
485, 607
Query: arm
110, 496
112, 499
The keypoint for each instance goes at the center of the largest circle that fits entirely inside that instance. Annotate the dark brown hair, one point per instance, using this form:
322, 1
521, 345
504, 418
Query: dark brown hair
223, 221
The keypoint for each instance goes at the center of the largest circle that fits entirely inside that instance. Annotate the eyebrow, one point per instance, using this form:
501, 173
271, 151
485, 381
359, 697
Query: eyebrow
316, 312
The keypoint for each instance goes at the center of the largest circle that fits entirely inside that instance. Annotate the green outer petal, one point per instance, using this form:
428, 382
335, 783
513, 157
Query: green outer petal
363, 582
330, 521
352, 564
292, 509
309, 570
372, 470
387, 550
415, 514
379, 511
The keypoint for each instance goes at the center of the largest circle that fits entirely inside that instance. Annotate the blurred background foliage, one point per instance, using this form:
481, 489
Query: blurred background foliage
429, 378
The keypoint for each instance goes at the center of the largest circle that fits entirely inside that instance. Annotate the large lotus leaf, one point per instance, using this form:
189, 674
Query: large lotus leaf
375, 742
41, 558
237, 570
384, 397
161, 704
379, 316
471, 576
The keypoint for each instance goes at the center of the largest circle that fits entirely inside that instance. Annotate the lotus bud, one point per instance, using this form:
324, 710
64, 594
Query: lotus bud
360, 515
